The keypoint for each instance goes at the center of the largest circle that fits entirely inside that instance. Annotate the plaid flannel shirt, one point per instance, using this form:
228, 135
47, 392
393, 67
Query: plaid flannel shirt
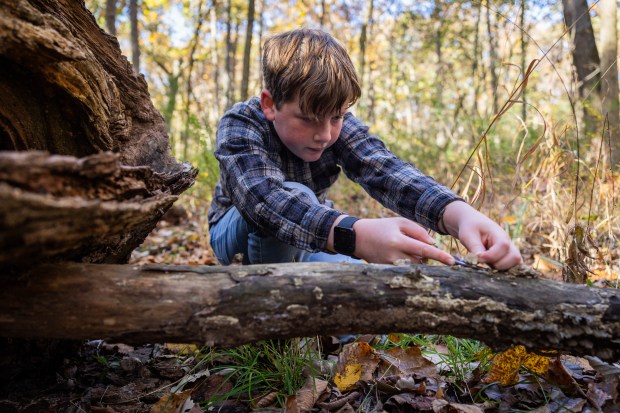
254, 164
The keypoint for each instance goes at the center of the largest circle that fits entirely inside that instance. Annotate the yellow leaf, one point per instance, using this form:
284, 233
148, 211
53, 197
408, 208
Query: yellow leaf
347, 380
536, 364
506, 365
357, 361
505, 368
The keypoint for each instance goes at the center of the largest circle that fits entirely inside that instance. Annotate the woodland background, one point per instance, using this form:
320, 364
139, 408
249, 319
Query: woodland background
504, 101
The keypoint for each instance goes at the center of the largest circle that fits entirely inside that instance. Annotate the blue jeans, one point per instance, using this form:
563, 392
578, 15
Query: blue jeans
233, 235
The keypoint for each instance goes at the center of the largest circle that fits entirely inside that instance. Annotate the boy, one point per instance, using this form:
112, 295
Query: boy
280, 152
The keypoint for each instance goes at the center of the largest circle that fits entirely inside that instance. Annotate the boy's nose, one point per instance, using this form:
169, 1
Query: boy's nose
322, 132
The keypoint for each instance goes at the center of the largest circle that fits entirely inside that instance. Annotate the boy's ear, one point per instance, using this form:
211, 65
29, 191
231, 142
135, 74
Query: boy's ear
267, 104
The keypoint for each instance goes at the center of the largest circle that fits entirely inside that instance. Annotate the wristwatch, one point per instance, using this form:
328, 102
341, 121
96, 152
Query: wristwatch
344, 236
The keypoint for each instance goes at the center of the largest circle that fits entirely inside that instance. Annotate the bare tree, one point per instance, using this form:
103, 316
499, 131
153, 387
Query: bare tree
585, 59
228, 65
609, 74
135, 34
190, 68
110, 16
491, 29
247, 51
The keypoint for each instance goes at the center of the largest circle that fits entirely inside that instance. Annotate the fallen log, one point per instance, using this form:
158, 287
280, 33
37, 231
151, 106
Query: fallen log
229, 306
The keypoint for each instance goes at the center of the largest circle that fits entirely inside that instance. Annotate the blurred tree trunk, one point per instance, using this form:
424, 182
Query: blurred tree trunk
200, 16
474, 66
97, 173
261, 11
491, 33
172, 90
135, 34
437, 18
228, 65
365, 84
323, 14
609, 75
366, 23
247, 51
110, 16
523, 39
215, 61
586, 61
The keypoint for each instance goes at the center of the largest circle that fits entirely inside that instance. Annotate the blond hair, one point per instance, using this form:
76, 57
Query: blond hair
314, 65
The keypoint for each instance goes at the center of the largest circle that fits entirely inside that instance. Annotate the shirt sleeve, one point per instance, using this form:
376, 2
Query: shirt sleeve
254, 182
396, 184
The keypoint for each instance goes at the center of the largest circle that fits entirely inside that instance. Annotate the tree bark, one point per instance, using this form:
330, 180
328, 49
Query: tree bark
66, 89
135, 34
92, 209
247, 51
585, 59
609, 75
492, 58
229, 306
110, 16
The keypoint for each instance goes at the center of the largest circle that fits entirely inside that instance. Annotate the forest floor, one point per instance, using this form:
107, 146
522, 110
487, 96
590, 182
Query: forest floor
394, 373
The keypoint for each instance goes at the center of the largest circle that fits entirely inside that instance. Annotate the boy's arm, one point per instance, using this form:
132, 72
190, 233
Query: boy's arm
386, 240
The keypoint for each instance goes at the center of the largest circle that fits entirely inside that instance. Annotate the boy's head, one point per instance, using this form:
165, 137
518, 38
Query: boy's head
314, 65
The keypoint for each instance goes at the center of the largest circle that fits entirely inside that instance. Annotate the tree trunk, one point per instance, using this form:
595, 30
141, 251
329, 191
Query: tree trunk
135, 35
492, 59
67, 90
233, 305
609, 75
247, 51
228, 62
474, 66
110, 16
200, 16
523, 41
586, 61
215, 61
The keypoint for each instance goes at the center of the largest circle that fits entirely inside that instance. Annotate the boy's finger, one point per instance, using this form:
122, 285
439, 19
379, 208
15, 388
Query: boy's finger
428, 251
417, 232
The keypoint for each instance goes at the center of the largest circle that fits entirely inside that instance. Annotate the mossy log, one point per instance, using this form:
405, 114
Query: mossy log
229, 306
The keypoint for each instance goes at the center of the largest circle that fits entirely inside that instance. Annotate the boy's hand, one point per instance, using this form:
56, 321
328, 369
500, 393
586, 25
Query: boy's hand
386, 240
481, 236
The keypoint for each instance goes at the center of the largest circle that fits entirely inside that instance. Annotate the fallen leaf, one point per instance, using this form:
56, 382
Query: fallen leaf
443, 406
505, 366
290, 405
307, 396
406, 402
408, 361
171, 403
357, 361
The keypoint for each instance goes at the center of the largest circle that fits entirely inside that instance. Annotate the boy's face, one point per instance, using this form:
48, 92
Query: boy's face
306, 138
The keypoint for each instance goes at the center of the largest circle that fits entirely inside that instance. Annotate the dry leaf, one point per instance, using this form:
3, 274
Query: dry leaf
356, 362
399, 361
506, 365
307, 396
171, 403
290, 405
443, 406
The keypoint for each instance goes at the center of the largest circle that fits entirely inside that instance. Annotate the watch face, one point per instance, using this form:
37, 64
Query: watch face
344, 240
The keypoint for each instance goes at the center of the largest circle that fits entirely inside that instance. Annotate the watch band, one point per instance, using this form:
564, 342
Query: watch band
344, 236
